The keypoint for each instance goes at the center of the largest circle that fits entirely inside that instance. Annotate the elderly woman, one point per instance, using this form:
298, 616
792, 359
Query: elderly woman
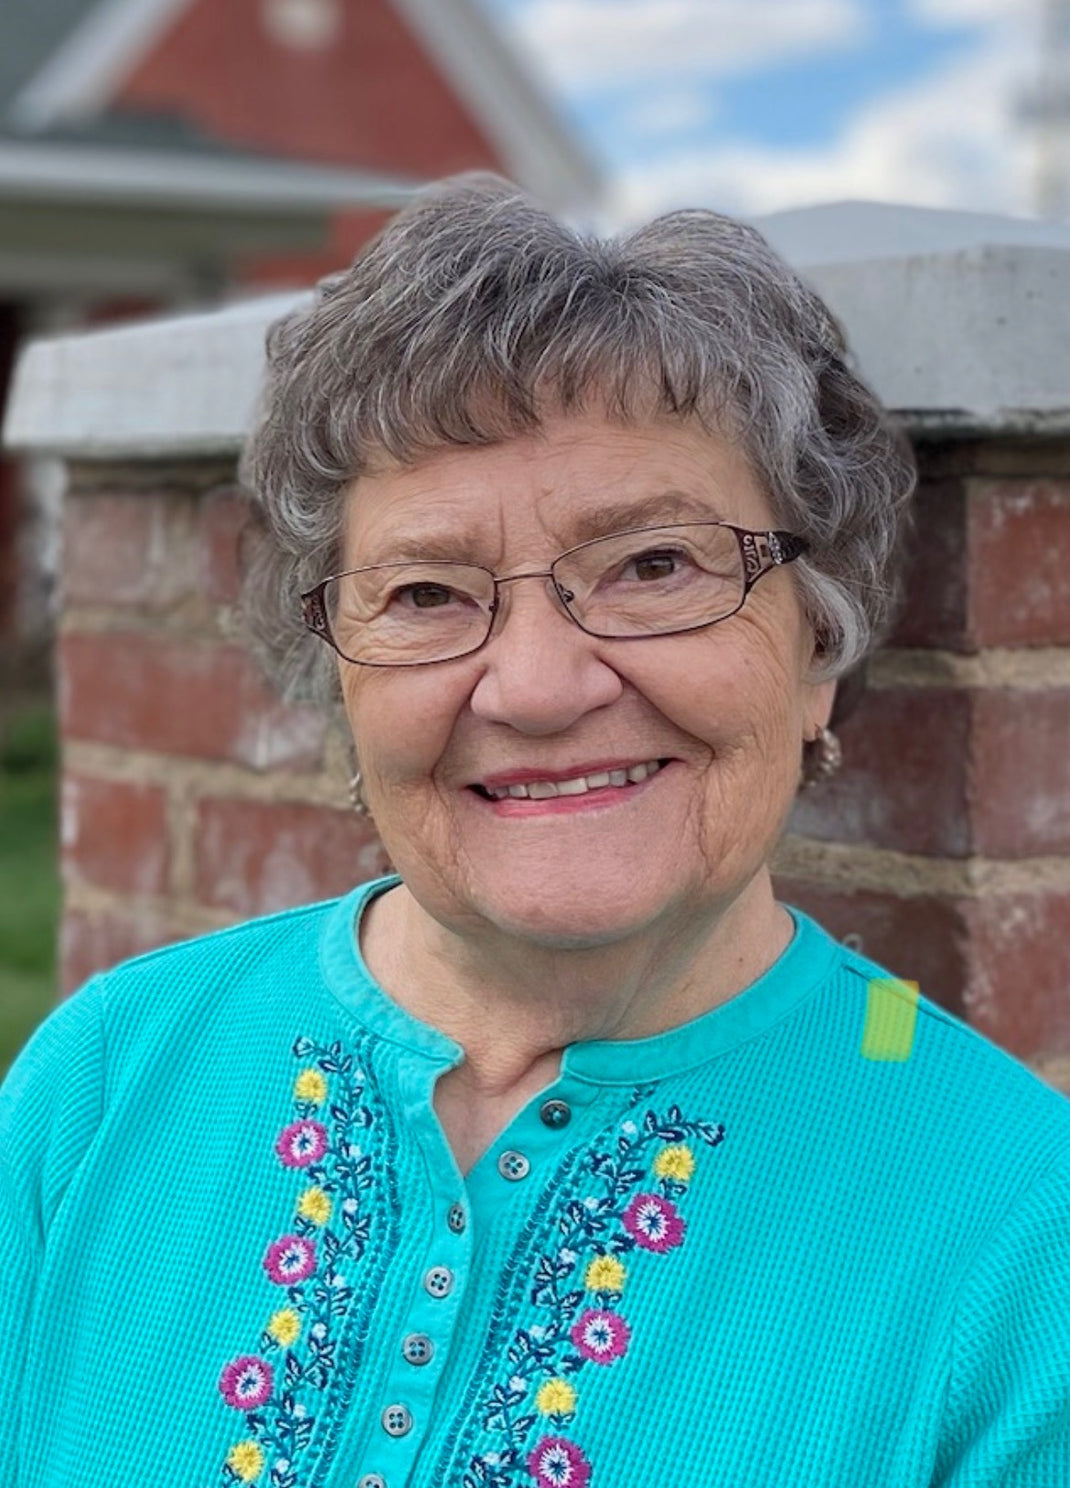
567, 1155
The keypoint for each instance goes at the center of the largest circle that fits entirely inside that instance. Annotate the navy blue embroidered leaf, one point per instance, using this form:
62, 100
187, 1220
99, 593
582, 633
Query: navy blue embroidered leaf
293, 1377
650, 1122
340, 1114
521, 1426
302, 1047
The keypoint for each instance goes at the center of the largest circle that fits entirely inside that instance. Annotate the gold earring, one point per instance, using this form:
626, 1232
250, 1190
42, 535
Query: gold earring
822, 757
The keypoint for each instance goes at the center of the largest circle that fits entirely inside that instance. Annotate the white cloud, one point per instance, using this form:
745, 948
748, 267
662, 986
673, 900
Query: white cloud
587, 43
951, 139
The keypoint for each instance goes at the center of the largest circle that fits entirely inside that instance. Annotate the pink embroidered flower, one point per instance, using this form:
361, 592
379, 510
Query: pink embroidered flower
600, 1336
558, 1463
290, 1259
653, 1222
247, 1382
302, 1143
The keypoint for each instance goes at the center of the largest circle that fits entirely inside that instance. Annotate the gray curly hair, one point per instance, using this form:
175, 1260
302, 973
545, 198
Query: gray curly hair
475, 313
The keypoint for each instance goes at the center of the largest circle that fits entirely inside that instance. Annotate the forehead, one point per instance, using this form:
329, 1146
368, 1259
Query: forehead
576, 478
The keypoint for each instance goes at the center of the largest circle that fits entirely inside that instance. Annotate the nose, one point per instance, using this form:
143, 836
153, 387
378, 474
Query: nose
540, 672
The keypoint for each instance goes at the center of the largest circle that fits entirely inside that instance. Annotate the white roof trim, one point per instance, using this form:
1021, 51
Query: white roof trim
535, 144
229, 186
960, 340
538, 149
83, 72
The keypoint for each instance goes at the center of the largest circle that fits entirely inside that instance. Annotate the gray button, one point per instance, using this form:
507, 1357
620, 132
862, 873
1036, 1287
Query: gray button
456, 1218
417, 1348
555, 1113
438, 1281
397, 1420
372, 1480
514, 1166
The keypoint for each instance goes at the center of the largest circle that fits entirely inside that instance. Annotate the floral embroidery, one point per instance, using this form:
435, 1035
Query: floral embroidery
246, 1461
675, 1162
247, 1382
555, 1397
604, 1274
279, 1389
302, 1144
315, 1205
290, 1259
600, 1336
623, 1201
653, 1222
310, 1086
284, 1326
558, 1463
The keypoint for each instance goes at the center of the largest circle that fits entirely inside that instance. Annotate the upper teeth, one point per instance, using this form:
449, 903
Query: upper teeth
579, 785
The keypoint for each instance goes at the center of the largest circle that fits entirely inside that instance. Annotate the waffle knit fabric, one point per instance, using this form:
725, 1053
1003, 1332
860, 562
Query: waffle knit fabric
818, 1238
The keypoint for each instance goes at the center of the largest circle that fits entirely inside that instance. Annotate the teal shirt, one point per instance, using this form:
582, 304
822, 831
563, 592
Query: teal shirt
817, 1238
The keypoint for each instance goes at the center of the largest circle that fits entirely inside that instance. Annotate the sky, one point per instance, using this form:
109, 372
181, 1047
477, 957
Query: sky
756, 105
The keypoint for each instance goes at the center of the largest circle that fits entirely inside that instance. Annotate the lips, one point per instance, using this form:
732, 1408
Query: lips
530, 787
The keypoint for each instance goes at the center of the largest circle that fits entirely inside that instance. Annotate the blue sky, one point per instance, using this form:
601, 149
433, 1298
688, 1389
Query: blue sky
759, 104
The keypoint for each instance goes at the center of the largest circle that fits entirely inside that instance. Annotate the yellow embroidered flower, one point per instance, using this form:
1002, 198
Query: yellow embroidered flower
310, 1086
284, 1326
315, 1205
555, 1397
247, 1460
675, 1162
604, 1274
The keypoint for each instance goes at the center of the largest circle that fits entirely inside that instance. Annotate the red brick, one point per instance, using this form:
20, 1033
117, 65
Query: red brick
222, 517
922, 939
92, 943
1018, 984
1019, 546
124, 548
114, 834
1001, 962
175, 696
935, 571
374, 97
254, 857
903, 782
1020, 777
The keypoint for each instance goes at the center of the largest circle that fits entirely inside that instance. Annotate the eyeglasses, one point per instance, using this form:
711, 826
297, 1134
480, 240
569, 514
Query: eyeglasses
648, 581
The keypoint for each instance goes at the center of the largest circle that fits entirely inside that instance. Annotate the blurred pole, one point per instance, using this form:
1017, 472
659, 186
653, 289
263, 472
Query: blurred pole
1051, 109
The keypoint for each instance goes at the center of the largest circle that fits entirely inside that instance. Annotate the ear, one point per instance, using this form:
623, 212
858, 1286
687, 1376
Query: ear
817, 708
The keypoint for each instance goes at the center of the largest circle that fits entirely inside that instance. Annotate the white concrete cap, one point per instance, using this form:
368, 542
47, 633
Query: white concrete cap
960, 322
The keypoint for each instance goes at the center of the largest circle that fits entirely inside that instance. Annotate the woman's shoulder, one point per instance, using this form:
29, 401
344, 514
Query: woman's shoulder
929, 1060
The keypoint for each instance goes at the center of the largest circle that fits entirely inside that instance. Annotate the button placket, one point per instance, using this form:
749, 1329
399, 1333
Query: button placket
456, 1219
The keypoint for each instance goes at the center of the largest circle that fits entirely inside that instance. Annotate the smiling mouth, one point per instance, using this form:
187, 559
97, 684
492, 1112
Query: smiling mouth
577, 785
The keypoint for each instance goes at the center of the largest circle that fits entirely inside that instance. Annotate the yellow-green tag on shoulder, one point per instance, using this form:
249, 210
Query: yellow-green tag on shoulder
891, 1019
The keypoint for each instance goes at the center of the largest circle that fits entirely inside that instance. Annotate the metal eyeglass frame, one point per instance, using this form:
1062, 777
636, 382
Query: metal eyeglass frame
760, 552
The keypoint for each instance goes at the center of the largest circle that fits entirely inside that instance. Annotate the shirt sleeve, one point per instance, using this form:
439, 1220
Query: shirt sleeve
50, 1106
1007, 1420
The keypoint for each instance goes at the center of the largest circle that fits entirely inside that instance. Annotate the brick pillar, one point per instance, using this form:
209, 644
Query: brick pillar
944, 845
191, 795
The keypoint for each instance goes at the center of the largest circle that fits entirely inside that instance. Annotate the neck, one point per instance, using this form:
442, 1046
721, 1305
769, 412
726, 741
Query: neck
514, 1006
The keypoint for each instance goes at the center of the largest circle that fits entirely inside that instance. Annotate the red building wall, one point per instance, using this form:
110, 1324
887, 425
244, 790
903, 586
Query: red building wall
373, 98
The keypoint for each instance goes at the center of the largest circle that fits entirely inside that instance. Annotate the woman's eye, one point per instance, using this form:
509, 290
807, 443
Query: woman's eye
424, 596
655, 565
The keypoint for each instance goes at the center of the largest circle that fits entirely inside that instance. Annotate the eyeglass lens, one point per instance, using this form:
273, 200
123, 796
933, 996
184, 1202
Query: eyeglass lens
632, 584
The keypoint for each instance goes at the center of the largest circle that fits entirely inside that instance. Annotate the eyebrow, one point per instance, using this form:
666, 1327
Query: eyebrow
646, 511
600, 521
